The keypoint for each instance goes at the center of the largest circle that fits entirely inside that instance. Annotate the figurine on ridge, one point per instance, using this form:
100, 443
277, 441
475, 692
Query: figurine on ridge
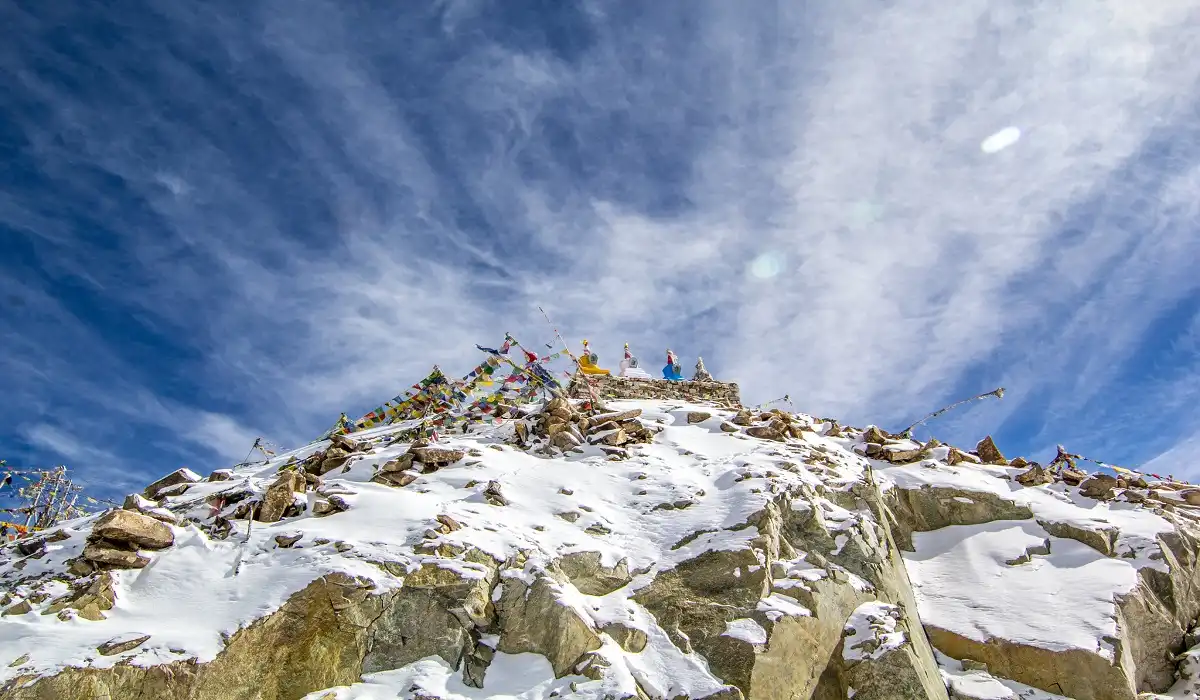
672, 371
629, 366
588, 360
701, 373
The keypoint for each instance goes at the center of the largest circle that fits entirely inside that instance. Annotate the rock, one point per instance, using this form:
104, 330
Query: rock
139, 504
287, 541
1191, 496
585, 571
765, 433
612, 438
437, 456
344, 442
1072, 477
128, 527
698, 416
727, 427
331, 505
615, 416
30, 546
104, 553
491, 494
394, 479
989, 453
1018, 462
1100, 486
20, 608
631, 639
901, 455
535, 620
564, 440
875, 435
220, 475
23, 658
1035, 476
89, 598
179, 476
118, 645
743, 418
279, 497
401, 463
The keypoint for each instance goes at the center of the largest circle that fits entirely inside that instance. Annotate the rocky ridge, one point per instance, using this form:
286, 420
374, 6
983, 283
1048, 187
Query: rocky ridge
643, 549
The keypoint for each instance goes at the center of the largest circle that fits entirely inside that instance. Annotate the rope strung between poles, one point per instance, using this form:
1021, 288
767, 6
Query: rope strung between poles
998, 393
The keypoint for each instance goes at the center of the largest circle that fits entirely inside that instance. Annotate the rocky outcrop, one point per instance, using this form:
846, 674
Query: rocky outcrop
724, 394
180, 477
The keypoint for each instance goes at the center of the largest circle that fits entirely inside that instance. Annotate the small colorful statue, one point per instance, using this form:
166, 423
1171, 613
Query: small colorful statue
588, 360
629, 366
672, 371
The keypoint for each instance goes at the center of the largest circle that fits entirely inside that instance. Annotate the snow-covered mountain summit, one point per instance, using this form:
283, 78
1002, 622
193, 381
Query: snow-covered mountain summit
646, 549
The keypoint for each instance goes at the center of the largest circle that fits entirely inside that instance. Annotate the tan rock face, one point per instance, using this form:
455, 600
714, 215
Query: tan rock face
175, 478
280, 496
989, 453
128, 527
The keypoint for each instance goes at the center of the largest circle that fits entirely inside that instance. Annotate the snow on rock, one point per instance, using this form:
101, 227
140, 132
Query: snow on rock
746, 630
660, 549
872, 632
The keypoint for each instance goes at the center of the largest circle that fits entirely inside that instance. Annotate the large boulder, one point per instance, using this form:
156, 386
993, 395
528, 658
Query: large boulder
175, 478
132, 528
280, 496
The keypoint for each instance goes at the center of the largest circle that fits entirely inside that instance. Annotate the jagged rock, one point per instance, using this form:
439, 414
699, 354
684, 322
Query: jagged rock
288, 541
1018, 462
613, 438
565, 440
119, 645
586, 572
139, 504
129, 527
534, 620
108, 554
631, 639
616, 416
179, 476
1099, 486
1035, 476
31, 546
875, 435
698, 416
765, 433
279, 497
344, 442
89, 598
220, 475
475, 665
20, 608
394, 479
491, 494
436, 457
332, 504
901, 455
401, 463
989, 453
1072, 477
743, 418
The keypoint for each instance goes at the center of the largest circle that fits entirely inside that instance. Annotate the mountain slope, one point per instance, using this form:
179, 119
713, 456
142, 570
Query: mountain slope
672, 550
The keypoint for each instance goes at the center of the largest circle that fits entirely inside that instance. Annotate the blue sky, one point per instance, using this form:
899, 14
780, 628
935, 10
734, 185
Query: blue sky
220, 222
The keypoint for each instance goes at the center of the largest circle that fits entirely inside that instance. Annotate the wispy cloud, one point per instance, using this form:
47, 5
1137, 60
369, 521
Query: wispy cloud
274, 217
